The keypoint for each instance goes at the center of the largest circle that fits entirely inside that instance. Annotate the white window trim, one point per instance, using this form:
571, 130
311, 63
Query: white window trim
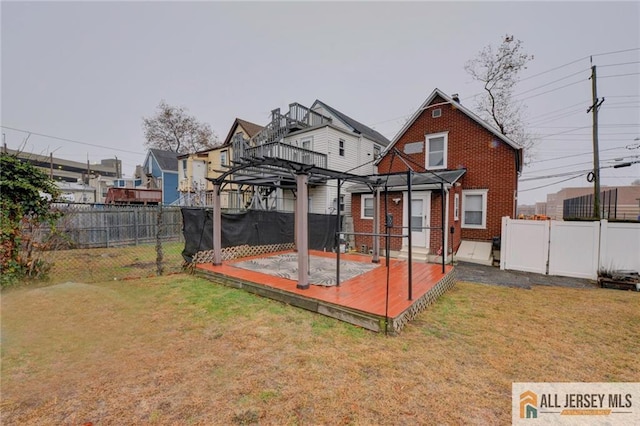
307, 139
362, 198
456, 207
482, 192
427, 138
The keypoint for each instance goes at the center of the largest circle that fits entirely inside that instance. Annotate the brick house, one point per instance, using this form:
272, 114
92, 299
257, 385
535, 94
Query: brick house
454, 155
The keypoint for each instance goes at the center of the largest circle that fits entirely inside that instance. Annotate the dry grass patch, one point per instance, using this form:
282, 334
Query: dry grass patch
182, 350
114, 263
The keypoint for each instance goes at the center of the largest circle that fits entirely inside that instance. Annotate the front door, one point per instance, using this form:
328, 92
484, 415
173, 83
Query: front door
419, 221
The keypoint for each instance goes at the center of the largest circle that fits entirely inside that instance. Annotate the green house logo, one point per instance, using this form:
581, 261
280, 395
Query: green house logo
528, 405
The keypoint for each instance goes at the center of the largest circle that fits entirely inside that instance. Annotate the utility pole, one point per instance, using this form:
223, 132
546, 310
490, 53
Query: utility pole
596, 153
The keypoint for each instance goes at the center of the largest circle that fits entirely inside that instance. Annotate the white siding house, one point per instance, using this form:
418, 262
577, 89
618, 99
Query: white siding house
348, 145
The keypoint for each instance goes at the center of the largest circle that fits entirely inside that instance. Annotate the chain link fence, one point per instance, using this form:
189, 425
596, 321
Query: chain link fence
94, 243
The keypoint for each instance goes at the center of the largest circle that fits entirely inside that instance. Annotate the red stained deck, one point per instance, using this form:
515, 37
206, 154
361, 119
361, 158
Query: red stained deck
364, 296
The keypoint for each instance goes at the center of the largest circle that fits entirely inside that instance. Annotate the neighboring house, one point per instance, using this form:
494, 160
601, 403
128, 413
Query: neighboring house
194, 169
71, 192
320, 135
102, 185
161, 170
444, 142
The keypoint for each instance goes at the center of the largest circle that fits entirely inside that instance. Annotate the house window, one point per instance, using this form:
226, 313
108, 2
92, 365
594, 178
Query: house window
306, 156
376, 151
436, 113
223, 158
342, 206
456, 207
184, 168
367, 207
341, 147
436, 151
474, 209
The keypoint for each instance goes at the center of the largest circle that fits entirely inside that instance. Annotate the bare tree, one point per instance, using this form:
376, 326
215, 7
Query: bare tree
498, 70
172, 129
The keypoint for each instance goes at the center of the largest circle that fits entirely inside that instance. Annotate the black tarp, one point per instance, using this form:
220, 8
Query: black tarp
253, 227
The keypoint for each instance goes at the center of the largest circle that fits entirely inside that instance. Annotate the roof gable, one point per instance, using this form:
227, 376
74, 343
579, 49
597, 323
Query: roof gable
167, 160
355, 125
250, 128
448, 100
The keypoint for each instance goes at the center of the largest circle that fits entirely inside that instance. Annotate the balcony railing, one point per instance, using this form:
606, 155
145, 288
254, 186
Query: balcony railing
288, 152
301, 116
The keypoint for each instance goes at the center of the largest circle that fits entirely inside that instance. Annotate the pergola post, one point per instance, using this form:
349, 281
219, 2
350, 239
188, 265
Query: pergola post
302, 230
217, 226
376, 226
295, 224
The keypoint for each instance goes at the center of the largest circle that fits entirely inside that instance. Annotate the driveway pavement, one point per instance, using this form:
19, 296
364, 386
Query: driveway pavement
493, 275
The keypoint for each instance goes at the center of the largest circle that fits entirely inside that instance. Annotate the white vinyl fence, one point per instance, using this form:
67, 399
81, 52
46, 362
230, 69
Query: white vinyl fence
570, 249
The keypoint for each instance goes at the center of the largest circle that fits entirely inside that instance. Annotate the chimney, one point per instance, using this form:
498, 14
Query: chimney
455, 97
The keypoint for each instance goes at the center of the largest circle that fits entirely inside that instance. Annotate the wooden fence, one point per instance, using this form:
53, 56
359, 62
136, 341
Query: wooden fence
99, 225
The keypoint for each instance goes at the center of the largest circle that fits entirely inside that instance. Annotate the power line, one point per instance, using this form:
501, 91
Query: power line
578, 60
554, 69
574, 155
619, 64
535, 117
620, 75
536, 123
575, 171
550, 184
550, 83
564, 166
616, 51
71, 140
553, 90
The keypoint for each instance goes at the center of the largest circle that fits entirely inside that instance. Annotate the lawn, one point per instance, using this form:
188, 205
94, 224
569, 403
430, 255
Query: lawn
179, 349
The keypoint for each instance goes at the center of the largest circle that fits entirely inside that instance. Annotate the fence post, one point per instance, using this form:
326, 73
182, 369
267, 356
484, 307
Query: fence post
135, 225
504, 243
602, 246
159, 254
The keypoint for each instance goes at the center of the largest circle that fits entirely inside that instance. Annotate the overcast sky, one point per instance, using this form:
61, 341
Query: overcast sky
89, 72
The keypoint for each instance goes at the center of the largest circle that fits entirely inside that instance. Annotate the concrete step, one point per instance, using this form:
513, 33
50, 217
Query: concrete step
418, 254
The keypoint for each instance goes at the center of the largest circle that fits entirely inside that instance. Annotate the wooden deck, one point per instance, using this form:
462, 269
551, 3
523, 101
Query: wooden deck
362, 300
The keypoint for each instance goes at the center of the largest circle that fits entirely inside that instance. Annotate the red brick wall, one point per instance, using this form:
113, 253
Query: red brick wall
490, 164
366, 225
